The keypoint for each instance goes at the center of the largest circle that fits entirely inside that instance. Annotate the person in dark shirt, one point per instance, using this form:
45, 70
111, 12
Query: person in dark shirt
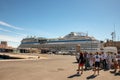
81, 63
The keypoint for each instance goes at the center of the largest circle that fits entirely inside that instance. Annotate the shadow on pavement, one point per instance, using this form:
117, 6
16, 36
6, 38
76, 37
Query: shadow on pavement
115, 74
112, 72
74, 75
75, 62
91, 77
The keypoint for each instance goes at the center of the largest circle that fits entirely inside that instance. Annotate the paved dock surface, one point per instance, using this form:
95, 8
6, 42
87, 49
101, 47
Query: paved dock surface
55, 67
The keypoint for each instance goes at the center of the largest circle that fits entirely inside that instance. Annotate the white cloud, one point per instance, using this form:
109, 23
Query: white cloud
5, 30
12, 32
10, 26
12, 41
13, 44
10, 38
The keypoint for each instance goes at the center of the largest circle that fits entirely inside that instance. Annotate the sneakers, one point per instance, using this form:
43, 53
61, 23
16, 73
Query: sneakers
81, 72
77, 72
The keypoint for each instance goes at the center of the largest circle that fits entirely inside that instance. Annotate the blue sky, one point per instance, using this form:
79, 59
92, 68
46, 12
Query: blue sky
55, 18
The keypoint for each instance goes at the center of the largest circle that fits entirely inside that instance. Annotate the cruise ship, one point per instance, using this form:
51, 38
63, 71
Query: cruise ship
66, 43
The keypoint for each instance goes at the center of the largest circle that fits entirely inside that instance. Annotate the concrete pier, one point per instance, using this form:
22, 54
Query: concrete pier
55, 67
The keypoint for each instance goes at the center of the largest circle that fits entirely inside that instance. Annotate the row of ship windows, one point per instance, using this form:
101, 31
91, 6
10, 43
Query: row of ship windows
89, 49
84, 42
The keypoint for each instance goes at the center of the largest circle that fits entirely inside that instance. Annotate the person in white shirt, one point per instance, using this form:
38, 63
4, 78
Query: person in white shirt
91, 59
109, 61
97, 59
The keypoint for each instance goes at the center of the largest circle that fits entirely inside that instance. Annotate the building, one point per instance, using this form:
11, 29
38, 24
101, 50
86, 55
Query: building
4, 47
113, 43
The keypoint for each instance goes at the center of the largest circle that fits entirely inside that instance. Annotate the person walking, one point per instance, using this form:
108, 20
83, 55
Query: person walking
81, 63
118, 59
87, 56
109, 61
104, 61
115, 63
91, 59
97, 59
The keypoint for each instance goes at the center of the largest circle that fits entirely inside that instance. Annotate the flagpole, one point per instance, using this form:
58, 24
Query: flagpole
114, 33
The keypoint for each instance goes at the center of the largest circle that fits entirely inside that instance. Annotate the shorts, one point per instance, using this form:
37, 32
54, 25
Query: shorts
97, 64
81, 64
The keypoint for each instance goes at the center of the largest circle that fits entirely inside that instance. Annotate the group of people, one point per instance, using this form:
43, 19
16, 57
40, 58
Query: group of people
97, 61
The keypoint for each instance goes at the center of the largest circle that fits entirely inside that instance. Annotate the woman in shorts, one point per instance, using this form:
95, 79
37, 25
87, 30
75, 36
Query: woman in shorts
81, 63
